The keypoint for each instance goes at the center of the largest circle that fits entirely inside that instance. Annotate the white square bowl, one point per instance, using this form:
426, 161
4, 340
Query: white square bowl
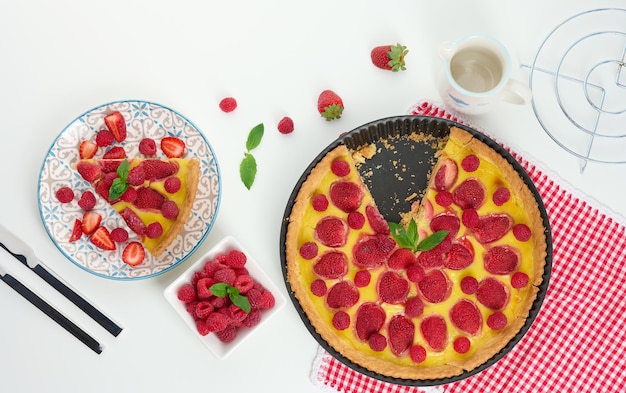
219, 348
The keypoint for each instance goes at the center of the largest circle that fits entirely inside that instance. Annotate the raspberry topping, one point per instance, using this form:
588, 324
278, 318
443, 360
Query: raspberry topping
401, 334
377, 342
342, 295
444, 198
392, 288
469, 285
470, 218
501, 260
460, 256
446, 175
340, 168
401, 258
435, 332
341, 320
492, 293
470, 163
521, 232
414, 307
346, 195
169, 209
501, 196
65, 194
435, 286
356, 220
369, 319
497, 321
154, 230
331, 231
333, 264
318, 287
470, 194
466, 316
372, 251
376, 220
492, 227
417, 353
362, 278
519, 280
172, 184
319, 202
461, 344
308, 250
446, 221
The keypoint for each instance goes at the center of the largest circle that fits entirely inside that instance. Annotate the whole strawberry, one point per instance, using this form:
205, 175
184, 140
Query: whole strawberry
389, 57
330, 105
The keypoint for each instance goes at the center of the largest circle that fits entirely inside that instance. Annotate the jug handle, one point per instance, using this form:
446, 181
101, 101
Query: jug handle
516, 92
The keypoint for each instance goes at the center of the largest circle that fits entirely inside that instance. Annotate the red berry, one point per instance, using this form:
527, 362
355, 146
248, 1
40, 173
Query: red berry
172, 184
341, 320
104, 138
356, 220
346, 195
186, 293
470, 163
369, 319
253, 318
331, 265
446, 175
519, 280
77, 231
493, 227
227, 335
216, 322
173, 147
133, 254
469, 285
492, 293
466, 316
461, 344
147, 146
308, 250
137, 176
203, 288
415, 273
435, 332
119, 235
417, 353
392, 287
501, 196
435, 286
444, 198
331, 231
285, 125
362, 278
501, 260
235, 259
154, 230
169, 209
87, 200
342, 294
470, 218
228, 104
376, 220
319, 202
225, 275
470, 194
401, 334
377, 342
267, 300
244, 283
521, 232
202, 327
318, 287
340, 168
414, 307
65, 194
497, 321
203, 309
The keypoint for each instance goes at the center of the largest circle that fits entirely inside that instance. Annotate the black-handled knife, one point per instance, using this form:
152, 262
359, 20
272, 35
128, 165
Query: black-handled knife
50, 311
23, 253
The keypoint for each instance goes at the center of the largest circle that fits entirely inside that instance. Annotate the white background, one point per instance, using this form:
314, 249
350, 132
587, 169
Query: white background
59, 59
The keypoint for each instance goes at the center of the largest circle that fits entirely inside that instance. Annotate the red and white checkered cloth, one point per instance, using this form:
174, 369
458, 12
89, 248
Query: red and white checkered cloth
578, 340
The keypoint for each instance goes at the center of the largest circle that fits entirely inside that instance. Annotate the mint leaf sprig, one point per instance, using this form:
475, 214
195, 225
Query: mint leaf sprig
120, 183
248, 166
409, 237
222, 289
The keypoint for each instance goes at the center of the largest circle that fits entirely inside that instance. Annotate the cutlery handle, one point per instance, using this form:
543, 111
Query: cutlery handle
50, 311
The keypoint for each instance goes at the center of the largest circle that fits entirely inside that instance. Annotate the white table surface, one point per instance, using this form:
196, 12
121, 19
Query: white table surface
59, 59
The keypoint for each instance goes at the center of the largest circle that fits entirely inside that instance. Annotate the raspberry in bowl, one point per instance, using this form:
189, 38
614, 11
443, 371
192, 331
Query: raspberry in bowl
224, 296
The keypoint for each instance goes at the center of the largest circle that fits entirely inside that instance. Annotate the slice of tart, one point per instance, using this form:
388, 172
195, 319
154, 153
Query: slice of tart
403, 311
154, 196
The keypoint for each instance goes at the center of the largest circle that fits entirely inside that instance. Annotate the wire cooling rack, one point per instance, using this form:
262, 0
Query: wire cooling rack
578, 80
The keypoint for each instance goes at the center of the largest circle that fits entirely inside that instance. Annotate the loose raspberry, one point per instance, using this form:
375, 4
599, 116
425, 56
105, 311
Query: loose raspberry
65, 194
369, 319
470, 163
519, 280
392, 288
414, 307
377, 342
197, 276
356, 220
225, 275
253, 318
228, 104
522, 232
308, 250
417, 353
341, 320
401, 334
340, 168
285, 125
318, 287
87, 200
362, 278
342, 295
267, 300
169, 209
235, 259
203, 309
154, 230
435, 332
501, 196
147, 146
172, 184
466, 316
444, 198
497, 321
319, 202
186, 293
191, 309
461, 344
469, 285
331, 265
331, 231
203, 288
202, 327
254, 297
119, 235
216, 322
470, 218
210, 267
244, 283
104, 138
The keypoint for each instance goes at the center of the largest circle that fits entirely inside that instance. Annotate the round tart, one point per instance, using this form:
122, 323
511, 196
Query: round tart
437, 290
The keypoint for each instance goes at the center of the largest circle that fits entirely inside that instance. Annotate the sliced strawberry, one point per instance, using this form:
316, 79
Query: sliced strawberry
157, 169
446, 175
492, 227
89, 171
87, 149
77, 232
116, 152
376, 220
91, 221
466, 316
435, 286
370, 318
346, 195
117, 125
401, 334
101, 238
331, 265
331, 231
435, 331
392, 288
173, 147
133, 254
134, 222
342, 295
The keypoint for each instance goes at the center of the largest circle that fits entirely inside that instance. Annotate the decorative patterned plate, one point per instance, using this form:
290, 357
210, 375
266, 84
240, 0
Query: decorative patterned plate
142, 119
